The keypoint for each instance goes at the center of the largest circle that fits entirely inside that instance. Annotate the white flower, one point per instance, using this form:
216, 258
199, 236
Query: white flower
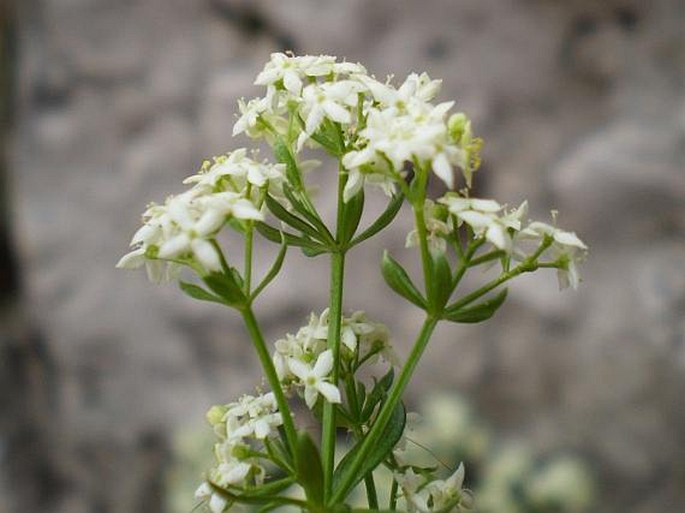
415, 87
232, 473
315, 379
413, 490
366, 167
332, 100
250, 113
291, 70
252, 417
216, 503
231, 172
436, 226
182, 227
567, 250
487, 218
446, 492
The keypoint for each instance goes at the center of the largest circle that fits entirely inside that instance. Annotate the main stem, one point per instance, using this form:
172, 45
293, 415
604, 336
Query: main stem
386, 411
272, 377
334, 328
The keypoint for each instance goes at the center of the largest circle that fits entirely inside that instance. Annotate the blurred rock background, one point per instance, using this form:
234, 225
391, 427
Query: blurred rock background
107, 105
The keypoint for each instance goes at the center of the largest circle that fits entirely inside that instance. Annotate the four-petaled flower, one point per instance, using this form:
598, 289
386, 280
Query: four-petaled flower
315, 379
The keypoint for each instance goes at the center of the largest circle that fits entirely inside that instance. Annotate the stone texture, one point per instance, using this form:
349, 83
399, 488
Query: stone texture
582, 107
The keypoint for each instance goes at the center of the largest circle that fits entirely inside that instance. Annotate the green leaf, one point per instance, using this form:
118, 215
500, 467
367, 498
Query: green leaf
199, 293
361, 393
312, 251
309, 469
275, 268
226, 286
328, 139
274, 235
270, 488
308, 212
441, 276
477, 313
352, 214
381, 450
383, 220
378, 393
290, 219
398, 280
284, 156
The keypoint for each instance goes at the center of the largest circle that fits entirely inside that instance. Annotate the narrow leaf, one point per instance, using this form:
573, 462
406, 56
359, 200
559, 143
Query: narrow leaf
477, 313
274, 235
199, 293
290, 219
377, 394
441, 274
383, 220
285, 156
386, 442
309, 469
275, 268
398, 280
226, 287
310, 214
352, 214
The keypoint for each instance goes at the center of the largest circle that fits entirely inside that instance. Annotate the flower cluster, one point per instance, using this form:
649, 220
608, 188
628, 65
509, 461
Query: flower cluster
303, 362
241, 427
423, 494
375, 127
183, 229
396, 138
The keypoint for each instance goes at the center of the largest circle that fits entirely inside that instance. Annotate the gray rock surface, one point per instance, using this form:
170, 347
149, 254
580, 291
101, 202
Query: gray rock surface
582, 105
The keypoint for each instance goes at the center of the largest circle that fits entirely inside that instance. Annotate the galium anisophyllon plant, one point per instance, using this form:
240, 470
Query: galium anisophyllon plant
383, 136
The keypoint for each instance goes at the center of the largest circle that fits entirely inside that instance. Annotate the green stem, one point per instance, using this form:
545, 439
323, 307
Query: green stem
334, 329
423, 244
249, 238
371, 495
386, 411
392, 504
272, 377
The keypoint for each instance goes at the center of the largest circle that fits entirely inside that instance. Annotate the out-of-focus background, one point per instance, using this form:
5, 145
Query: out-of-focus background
108, 104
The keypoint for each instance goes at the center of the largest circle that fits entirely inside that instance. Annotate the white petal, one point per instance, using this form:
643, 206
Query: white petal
175, 246
292, 82
237, 473
329, 391
324, 364
144, 234
217, 504
456, 480
204, 491
299, 368
210, 221
443, 169
156, 271
206, 254
132, 260
245, 209
476, 220
261, 429
314, 119
355, 181
485, 205
569, 239
310, 395
349, 338
498, 236
336, 112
